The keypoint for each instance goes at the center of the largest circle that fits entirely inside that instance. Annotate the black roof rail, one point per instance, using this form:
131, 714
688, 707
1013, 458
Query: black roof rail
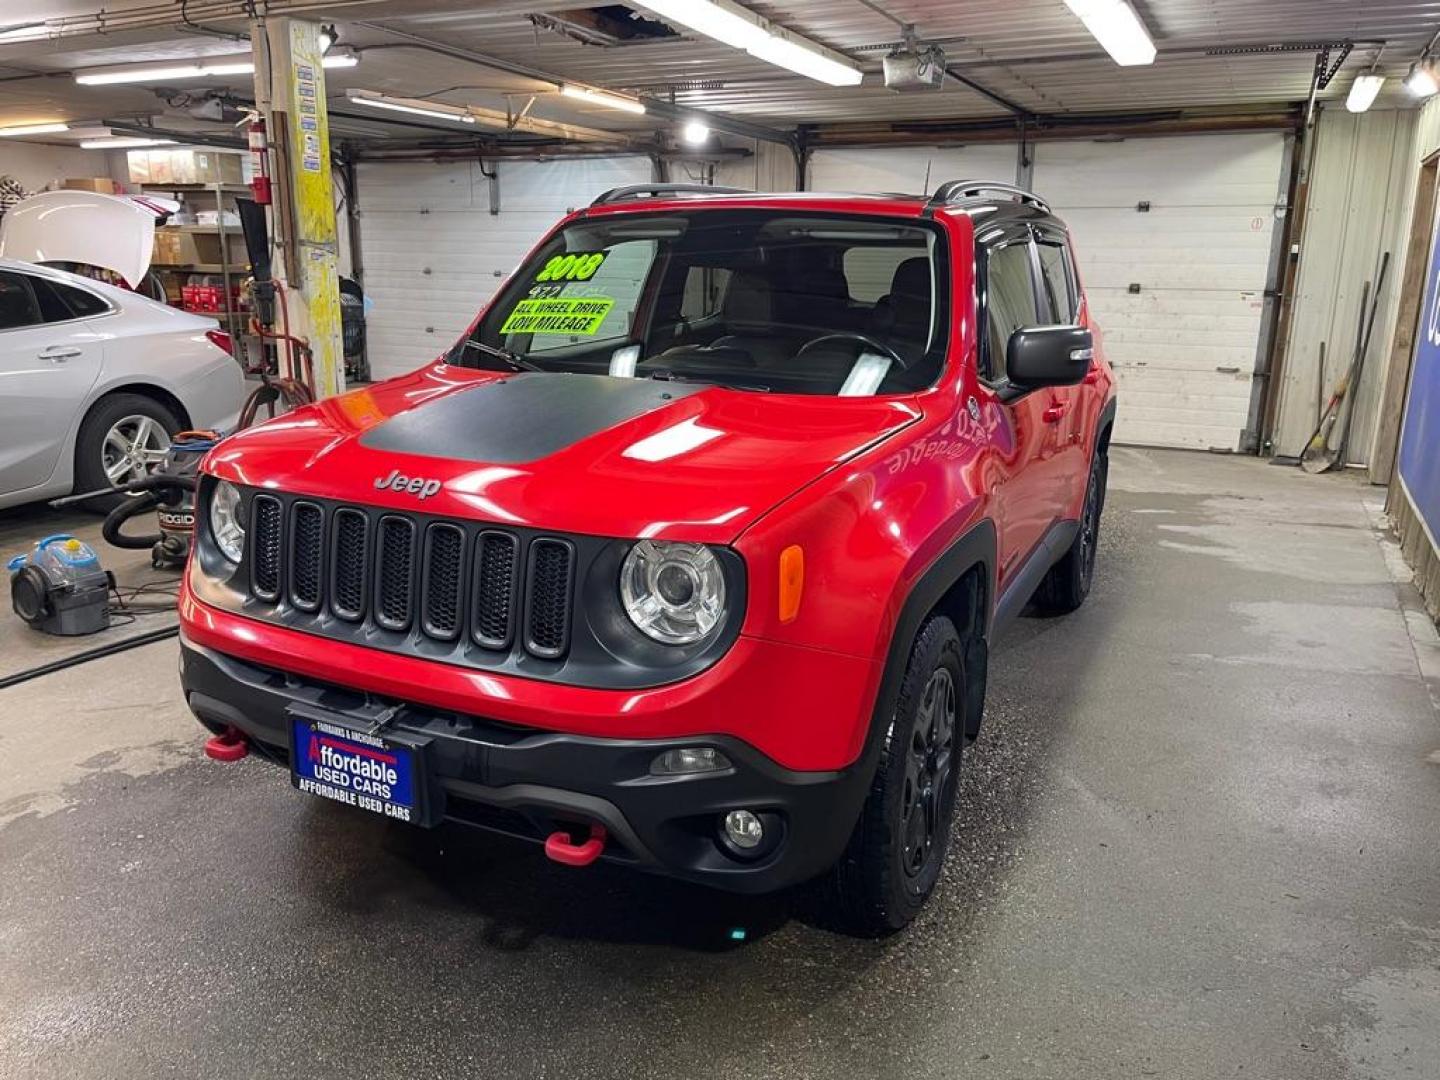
954, 191
641, 191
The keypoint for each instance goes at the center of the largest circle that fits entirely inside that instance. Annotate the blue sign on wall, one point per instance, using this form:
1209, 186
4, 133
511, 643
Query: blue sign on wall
1420, 436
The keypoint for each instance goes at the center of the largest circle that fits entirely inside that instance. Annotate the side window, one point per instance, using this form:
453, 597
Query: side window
52, 307
80, 301
620, 279
18, 306
704, 293
1059, 281
1009, 302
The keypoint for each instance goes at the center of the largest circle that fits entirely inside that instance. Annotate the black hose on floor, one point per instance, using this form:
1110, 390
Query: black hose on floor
89, 654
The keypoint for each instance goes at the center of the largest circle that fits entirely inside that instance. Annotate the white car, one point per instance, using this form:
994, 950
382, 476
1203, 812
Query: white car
94, 380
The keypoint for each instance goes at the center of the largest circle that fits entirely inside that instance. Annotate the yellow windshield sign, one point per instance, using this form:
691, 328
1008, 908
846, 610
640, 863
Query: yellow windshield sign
558, 316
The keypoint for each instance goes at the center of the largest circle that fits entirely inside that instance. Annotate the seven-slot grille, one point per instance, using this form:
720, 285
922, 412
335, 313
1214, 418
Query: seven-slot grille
404, 574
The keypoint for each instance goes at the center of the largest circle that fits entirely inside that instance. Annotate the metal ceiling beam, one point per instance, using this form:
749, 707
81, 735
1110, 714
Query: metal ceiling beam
197, 138
744, 129
984, 91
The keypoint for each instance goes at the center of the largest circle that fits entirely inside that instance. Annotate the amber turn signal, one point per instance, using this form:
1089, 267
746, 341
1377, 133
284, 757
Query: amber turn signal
792, 582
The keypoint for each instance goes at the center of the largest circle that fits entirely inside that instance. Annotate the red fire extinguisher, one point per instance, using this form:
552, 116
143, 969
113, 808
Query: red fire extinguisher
259, 161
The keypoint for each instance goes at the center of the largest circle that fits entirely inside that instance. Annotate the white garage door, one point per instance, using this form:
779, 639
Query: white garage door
1178, 290
433, 252
911, 170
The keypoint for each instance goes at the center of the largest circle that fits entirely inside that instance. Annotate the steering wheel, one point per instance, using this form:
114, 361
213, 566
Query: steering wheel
869, 343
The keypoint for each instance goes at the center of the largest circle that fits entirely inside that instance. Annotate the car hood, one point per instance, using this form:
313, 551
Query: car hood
574, 453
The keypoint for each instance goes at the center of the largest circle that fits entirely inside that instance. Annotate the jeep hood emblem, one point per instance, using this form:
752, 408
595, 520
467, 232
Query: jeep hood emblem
422, 486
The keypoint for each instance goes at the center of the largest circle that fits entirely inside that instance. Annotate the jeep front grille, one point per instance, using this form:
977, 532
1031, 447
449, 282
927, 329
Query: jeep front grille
495, 578
547, 619
427, 579
268, 526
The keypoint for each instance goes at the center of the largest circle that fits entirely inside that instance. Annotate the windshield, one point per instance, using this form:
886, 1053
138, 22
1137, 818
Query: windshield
752, 299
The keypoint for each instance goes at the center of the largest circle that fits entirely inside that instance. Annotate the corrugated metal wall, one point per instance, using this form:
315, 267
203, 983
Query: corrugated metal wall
1362, 183
434, 253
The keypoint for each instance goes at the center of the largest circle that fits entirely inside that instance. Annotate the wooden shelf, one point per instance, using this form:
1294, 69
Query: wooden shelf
223, 230
202, 268
224, 189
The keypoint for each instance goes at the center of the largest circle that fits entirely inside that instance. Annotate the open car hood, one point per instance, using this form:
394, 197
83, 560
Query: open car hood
109, 231
584, 454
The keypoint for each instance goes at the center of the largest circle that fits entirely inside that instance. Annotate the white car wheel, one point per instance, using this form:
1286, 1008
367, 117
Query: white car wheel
132, 449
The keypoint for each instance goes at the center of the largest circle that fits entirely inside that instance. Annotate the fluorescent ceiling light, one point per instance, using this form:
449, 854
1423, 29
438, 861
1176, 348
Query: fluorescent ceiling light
784, 51
694, 132
33, 129
1363, 92
1114, 24
601, 97
209, 67
121, 142
1421, 80
741, 28
434, 110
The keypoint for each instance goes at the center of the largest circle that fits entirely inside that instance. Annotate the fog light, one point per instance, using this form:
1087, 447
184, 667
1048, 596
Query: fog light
689, 759
744, 830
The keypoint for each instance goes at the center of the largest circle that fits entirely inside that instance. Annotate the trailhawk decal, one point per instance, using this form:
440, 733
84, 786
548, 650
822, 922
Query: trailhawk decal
558, 316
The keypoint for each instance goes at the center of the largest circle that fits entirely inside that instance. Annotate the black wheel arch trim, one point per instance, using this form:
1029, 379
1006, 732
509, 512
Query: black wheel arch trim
976, 547
1107, 420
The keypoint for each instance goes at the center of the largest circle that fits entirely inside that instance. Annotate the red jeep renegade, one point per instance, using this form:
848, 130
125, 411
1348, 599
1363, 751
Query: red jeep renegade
689, 553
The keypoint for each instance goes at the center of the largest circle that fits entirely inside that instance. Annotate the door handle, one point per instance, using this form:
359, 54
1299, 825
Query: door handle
58, 354
1053, 412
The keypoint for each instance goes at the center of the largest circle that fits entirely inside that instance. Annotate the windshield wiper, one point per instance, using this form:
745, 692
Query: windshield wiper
665, 375
519, 363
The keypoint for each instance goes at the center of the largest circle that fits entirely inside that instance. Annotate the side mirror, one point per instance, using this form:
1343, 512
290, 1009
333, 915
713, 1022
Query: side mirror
1048, 356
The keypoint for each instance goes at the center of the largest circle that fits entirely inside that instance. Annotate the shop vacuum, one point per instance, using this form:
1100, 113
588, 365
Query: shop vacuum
59, 586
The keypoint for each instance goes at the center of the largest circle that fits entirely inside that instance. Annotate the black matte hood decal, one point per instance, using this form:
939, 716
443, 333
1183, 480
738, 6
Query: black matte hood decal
521, 418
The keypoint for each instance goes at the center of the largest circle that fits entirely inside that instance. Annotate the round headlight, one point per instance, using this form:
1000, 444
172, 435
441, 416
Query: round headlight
226, 525
674, 593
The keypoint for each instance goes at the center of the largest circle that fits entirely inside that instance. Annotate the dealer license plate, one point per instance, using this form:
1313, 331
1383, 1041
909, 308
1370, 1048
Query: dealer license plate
356, 768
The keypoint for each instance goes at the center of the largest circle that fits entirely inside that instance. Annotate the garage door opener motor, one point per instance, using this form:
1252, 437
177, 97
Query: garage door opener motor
60, 587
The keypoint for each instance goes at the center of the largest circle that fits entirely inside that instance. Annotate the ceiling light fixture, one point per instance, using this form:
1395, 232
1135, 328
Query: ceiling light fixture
695, 133
1363, 92
741, 28
120, 142
33, 129
433, 110
210, 67
603, 97
1114, 24
1420, 80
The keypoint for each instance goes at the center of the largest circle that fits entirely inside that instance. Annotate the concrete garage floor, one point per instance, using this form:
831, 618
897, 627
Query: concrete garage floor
1198, 839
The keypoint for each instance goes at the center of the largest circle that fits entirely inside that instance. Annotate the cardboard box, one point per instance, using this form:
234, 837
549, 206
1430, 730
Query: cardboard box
215, 167
139, 165
101, 184
162, 170
167, 248
178, 246
182, 167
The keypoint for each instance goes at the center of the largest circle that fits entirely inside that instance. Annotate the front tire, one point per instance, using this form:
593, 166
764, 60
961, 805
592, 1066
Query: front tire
894, 857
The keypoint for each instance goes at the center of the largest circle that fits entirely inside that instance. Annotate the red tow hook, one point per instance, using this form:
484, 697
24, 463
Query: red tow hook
228, 746
560, 848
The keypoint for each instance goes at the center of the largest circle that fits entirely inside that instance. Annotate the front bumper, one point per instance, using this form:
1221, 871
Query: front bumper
527, 783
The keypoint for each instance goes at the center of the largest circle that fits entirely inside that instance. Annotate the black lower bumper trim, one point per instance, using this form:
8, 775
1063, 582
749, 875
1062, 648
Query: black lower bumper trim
527, 783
